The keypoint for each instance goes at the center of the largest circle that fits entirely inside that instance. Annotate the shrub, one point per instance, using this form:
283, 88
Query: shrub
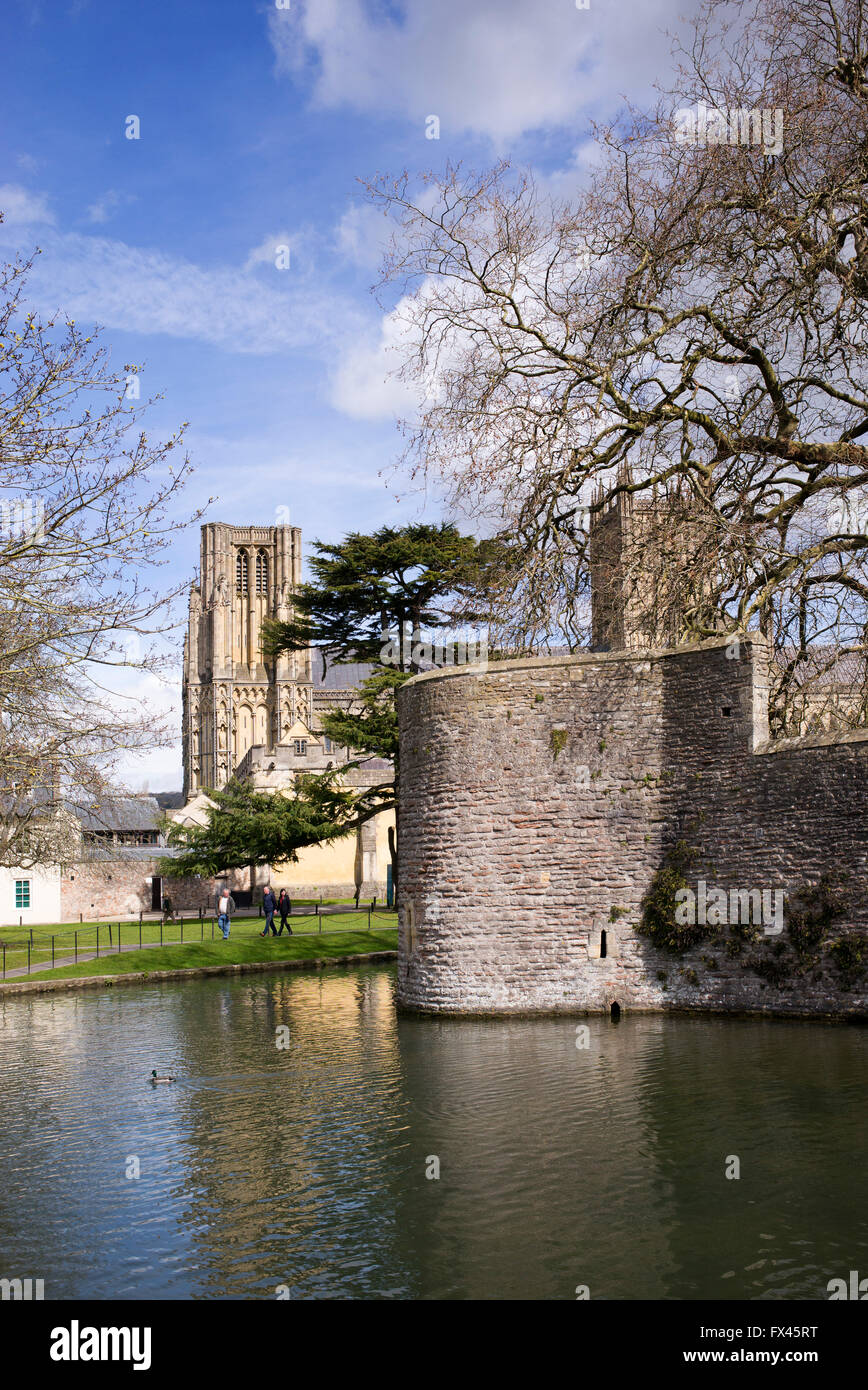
848, 957
658, 907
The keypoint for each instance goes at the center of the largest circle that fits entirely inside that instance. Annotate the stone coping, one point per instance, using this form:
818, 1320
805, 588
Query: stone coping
150, 977
648, 654
789, 745
535, 663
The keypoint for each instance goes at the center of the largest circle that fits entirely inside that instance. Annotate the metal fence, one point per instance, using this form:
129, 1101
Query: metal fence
112, 938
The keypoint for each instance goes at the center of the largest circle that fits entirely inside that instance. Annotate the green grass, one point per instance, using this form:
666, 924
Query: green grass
237, 950
243, 928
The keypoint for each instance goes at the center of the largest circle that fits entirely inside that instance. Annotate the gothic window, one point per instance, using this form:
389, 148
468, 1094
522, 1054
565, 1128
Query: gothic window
241, 573
300, 747
261, 725
261, 572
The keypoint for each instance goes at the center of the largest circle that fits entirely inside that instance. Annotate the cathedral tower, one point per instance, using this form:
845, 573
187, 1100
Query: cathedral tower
232, 699
654, 569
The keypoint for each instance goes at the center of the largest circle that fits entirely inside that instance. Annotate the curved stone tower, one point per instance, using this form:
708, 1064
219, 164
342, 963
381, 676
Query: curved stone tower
539, 799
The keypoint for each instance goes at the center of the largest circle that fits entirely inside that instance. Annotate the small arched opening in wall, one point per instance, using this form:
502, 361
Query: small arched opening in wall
615, 1011
602, 945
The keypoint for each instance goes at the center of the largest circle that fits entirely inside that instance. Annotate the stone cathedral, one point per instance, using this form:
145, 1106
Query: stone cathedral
263, 721
231, 699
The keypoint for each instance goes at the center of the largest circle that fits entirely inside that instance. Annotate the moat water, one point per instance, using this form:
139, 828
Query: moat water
300, 1171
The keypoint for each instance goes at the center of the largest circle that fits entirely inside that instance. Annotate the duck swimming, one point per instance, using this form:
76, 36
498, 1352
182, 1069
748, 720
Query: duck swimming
158, 1080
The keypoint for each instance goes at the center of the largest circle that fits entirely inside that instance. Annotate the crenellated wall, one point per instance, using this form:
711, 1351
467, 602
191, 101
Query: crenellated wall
539, 799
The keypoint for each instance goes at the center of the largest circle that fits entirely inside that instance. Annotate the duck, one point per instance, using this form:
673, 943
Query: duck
159, 1080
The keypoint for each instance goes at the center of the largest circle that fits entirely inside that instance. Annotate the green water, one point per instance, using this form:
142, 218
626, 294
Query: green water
300, 1171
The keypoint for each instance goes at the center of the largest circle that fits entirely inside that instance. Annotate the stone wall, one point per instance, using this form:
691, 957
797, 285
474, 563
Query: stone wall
122, 888
540, 798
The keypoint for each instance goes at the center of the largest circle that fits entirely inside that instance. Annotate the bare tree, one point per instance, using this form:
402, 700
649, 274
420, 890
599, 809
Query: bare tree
689, 331
87, 506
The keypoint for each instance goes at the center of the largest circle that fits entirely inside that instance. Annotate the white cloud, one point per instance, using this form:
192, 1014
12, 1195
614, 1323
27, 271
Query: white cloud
107, 205
361, 236
23, 208
364, 384
270, 250
497, 67
105, 281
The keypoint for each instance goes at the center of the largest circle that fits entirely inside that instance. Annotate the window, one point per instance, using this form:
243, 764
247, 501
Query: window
241, 573
328, 746
261, 572
22, 892
301, 747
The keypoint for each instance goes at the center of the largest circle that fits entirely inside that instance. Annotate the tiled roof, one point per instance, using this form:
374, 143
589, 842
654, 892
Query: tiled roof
342, 677
119, 814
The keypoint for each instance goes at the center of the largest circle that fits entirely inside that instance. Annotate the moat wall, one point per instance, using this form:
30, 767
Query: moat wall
540, 798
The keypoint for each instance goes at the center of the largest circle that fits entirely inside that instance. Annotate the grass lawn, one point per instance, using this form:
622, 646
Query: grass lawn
196, 937
240, 947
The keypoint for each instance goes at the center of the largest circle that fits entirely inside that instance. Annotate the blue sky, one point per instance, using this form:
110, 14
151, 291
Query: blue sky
256, 121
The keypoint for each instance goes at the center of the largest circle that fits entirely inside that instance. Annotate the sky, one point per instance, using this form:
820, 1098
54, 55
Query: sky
255, 124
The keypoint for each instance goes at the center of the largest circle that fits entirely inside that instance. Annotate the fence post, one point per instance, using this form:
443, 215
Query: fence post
369, 919
28, 957
182, 929
97, 940
140, 931
110, 935
52, 950
76, 947
119, 936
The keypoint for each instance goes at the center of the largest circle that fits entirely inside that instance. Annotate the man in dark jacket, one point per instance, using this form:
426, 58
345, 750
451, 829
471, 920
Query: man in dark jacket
269, 902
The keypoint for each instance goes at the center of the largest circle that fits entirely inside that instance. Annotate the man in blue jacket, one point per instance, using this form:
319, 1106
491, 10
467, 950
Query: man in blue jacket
269, 902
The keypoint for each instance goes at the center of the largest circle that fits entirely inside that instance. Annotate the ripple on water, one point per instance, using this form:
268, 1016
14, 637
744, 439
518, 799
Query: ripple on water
306, 1166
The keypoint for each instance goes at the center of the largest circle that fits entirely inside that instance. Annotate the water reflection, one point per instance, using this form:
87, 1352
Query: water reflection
305, 1166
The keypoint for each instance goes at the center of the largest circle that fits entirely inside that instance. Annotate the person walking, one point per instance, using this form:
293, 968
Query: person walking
284, 907
225, 907
269, 902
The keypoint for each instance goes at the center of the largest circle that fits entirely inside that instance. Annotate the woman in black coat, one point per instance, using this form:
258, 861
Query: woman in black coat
284, 907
